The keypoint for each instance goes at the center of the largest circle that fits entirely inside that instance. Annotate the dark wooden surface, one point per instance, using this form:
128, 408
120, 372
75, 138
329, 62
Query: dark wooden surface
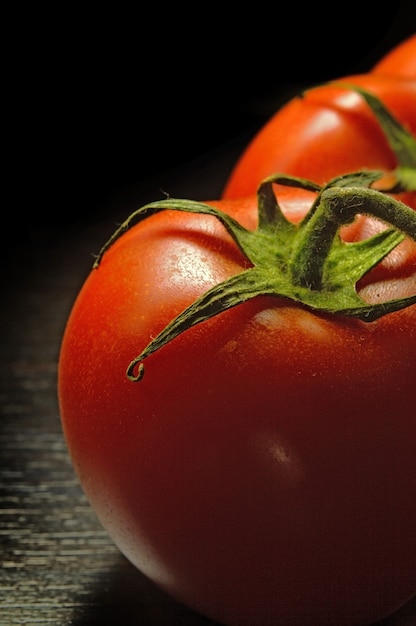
58, 565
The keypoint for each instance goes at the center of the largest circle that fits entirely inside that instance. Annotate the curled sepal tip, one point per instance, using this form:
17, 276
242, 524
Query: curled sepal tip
135, 366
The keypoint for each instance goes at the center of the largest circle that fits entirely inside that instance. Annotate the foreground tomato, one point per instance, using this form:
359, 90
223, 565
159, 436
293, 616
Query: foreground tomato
399, 62
327, 132
263, 469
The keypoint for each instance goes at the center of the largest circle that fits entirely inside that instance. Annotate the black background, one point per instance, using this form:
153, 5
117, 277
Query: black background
108, 99
104, 106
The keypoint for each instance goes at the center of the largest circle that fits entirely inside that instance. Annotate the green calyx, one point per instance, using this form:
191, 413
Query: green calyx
307, 263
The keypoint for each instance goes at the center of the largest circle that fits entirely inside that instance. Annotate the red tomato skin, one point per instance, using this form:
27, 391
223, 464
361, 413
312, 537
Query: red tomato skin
326, 133
263, 471
400, 61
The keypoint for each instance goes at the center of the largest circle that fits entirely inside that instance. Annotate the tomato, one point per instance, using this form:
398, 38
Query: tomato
399, 62
328, 132
263, 470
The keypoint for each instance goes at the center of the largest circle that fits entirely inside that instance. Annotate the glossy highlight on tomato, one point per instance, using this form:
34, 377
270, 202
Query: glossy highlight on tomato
400, 61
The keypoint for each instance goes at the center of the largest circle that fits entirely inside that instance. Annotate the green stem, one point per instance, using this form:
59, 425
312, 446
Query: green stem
401, 141
338, 206
306, 263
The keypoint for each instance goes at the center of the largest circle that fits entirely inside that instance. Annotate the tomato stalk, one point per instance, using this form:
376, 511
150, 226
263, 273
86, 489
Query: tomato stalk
401, 141
338, 207
307, 263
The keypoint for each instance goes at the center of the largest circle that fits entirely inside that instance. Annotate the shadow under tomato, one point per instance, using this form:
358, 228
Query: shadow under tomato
406, 616
127, 597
